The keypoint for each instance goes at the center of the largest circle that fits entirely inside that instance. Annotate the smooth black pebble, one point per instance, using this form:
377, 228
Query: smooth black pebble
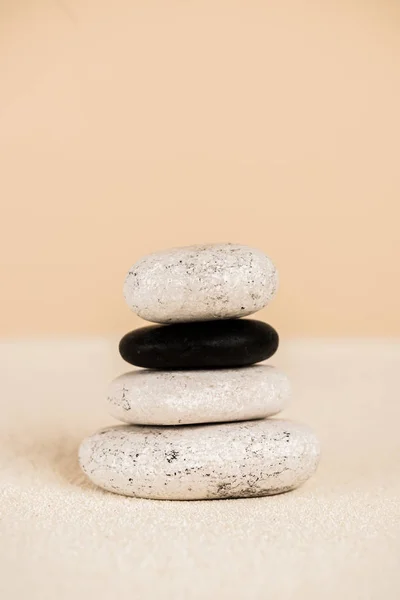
200, 345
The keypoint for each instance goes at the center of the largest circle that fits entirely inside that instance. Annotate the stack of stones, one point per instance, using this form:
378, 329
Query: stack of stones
197, 414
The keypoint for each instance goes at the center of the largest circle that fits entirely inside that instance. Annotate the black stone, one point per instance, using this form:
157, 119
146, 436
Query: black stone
200, 345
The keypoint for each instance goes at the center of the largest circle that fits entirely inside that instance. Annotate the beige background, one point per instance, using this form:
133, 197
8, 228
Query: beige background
130, 126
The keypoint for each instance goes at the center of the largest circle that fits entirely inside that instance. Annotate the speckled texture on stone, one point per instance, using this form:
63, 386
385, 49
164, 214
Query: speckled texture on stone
188, 397
230, 460
199, 283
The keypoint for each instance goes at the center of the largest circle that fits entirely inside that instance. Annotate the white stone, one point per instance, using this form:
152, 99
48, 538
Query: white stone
199, 283
230, 460
147, 397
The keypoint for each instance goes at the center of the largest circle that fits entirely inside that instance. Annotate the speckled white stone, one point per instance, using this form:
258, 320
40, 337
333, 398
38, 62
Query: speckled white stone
147, 397
194, 462
199, 283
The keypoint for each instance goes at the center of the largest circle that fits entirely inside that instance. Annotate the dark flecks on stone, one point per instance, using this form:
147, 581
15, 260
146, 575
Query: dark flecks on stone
171, 455
200, 345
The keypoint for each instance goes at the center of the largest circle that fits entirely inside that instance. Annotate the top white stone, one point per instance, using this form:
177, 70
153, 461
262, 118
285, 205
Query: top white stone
200, 283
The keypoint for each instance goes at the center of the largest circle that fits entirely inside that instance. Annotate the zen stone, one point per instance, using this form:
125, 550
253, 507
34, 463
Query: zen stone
186, 397
201, 345
230, 460
200, 283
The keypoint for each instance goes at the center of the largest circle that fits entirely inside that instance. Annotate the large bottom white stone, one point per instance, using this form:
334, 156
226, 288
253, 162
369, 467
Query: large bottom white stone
151, 397
230, 460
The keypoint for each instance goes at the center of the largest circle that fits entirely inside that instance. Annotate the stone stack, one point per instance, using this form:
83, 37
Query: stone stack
197, 414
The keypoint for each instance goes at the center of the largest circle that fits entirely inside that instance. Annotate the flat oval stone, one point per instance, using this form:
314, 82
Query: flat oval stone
200, 283
201, 345
147, 397
230, 460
